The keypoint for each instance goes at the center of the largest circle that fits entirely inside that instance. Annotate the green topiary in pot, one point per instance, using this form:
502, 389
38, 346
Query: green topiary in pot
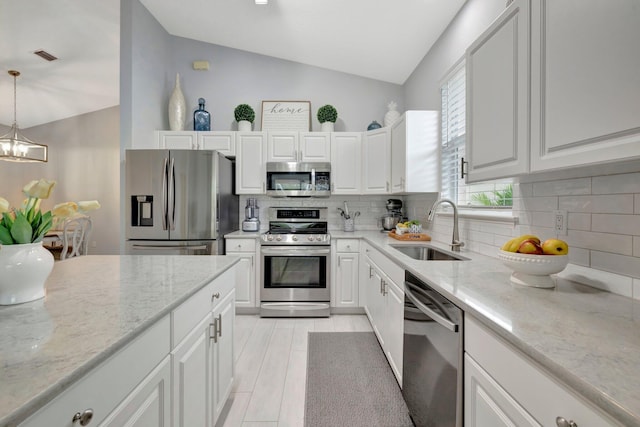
244, 112
327, 113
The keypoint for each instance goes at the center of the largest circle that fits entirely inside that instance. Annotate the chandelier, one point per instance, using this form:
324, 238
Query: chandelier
16, 147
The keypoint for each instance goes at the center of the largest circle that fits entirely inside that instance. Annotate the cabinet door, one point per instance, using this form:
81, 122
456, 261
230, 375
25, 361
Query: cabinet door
250, 162
376, 161
224, 142
282, 146
191, 364
488, 404
345, 290
497, 119
177, 140
394, 327
398, 154
223, 366
245, 279
585, 83
149, 404
315, 146
376, 304
346, 163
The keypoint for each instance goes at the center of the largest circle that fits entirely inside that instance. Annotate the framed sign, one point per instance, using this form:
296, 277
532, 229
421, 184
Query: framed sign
286, 115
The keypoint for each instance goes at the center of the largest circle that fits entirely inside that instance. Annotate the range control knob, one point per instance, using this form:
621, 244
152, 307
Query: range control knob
278, 238
294, 238
319, 238
269, 238
310, 238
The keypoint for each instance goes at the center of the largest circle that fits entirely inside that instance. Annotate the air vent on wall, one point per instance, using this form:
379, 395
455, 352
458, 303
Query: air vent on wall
45, 55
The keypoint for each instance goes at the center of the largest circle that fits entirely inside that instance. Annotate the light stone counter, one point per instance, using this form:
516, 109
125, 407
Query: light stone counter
94, 306
587, 338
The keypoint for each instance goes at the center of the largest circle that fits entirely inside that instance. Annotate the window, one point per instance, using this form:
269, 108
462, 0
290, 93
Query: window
490, 194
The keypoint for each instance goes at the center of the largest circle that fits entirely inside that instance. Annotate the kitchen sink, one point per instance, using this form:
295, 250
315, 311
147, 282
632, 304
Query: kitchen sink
427, 253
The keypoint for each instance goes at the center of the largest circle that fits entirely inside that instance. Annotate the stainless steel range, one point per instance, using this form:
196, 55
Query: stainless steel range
296, 264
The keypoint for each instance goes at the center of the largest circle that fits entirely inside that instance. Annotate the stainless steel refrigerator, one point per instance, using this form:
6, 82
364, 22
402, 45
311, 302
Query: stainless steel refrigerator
179, 202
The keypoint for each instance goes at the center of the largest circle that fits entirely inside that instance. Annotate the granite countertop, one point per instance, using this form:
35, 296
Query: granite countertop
94, 306
585, 337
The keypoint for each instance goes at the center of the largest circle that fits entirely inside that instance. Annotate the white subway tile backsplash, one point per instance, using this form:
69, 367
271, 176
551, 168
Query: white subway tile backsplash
619, 203
579, 256
606, 281
620, 224
562, 187
616, 184
636, 289
614, 243
543, 219
523, 189
615, 263
636, 246
636, 203
579, 221
538, 204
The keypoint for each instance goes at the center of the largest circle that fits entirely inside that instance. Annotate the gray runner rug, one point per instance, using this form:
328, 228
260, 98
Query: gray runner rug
350, 383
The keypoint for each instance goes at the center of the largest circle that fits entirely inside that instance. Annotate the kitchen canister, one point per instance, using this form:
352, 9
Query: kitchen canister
348, 224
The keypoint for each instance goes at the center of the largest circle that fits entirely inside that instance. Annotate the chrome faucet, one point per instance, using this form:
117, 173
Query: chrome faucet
456, 244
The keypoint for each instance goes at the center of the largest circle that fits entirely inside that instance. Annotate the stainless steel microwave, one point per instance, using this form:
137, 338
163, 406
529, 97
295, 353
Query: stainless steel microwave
298, 179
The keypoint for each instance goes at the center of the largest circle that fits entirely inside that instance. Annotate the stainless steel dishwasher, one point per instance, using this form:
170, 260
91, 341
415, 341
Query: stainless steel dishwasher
432, 361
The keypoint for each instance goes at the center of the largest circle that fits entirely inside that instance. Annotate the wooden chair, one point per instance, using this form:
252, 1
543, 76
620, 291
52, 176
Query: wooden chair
75, 236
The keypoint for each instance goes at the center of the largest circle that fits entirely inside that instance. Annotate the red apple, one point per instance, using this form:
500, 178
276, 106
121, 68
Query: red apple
531, 247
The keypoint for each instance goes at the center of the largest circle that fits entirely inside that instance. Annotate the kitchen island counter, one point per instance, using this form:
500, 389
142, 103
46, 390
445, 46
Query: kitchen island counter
586, 338
95, 305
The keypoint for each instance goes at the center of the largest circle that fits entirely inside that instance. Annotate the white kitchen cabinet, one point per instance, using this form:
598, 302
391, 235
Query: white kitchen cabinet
128, 385
504, 387
376, 163
223, 354
585, 83
415, 152
246, 271
345, 277
292, 146
346, 162
383, 284
224, 142
497, 103
251, 149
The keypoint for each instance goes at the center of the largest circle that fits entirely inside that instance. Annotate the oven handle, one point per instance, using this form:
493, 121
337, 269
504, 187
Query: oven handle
453, 327
294, 251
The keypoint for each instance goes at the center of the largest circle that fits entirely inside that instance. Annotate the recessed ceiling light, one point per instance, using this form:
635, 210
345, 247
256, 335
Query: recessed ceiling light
262, 1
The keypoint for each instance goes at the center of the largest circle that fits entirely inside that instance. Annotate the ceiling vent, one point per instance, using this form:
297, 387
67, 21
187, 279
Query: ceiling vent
45, 55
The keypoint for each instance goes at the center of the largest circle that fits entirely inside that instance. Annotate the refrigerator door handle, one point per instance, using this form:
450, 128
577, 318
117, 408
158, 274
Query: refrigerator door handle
217, 219
165, 171
161, 247
172, 195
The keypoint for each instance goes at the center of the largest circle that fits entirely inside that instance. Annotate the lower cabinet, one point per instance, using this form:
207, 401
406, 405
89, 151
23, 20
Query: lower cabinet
384, 304
151, 378
246, 270
344, 289
503, 388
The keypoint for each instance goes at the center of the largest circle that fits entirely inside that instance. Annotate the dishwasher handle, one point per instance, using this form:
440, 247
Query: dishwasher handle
453, 327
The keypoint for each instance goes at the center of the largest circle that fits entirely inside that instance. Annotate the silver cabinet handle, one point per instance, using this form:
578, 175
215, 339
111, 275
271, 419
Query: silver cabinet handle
213, 330
84, 418
384, 288
381, 286
562, 422
219, 320
387, 186
214, 296
370, 269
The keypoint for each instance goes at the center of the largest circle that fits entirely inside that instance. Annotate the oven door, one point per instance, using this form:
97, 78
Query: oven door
295, 273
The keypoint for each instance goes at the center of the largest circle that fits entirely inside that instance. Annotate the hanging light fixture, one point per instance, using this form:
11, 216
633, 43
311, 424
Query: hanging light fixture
16, 147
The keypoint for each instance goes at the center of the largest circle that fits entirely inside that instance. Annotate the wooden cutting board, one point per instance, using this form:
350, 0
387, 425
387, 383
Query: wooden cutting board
409, 236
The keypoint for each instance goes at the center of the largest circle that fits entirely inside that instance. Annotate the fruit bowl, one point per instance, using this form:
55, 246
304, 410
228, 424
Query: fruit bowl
533, 270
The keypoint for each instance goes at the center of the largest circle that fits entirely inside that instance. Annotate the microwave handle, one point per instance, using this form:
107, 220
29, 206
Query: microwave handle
313, 178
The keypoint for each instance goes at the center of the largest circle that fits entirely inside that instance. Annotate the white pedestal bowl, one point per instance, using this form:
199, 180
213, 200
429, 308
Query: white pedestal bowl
533, 270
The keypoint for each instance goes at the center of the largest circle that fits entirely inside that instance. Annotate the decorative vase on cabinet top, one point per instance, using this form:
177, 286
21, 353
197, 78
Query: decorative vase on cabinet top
201, 117
392, 115
374, 125
23, 272
177, 107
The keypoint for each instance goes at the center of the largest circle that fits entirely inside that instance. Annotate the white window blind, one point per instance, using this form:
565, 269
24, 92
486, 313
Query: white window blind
491, 194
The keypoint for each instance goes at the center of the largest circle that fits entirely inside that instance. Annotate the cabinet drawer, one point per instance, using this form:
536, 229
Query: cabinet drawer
348, 245
536, 391
188, 314
108, 384
241, 245
390, 268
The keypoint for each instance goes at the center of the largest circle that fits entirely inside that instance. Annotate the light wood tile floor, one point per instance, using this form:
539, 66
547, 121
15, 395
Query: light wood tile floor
271, 368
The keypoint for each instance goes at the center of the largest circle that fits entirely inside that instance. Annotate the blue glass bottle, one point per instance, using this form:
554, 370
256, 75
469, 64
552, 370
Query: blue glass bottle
201, 117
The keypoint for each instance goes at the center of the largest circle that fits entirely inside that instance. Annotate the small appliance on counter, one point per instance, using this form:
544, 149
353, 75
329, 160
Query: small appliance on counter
251, 216
393, 216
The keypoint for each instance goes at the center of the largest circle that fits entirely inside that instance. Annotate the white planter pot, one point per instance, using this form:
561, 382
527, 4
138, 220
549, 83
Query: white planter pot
327, 126
244, 126
23, 272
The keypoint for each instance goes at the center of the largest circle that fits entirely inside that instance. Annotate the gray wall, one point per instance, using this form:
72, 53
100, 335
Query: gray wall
84, 153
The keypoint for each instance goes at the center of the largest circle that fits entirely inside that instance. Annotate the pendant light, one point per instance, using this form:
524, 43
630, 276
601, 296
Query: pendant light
16, 147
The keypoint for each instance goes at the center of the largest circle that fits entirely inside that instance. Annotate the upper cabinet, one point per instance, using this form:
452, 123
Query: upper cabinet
497, 117
585, 83
251, 149
376, 166
224, 142
415, 153
346, 162
292, 146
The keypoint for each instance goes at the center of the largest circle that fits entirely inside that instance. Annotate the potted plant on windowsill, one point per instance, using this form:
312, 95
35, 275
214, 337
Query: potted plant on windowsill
245, 116
327, 116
